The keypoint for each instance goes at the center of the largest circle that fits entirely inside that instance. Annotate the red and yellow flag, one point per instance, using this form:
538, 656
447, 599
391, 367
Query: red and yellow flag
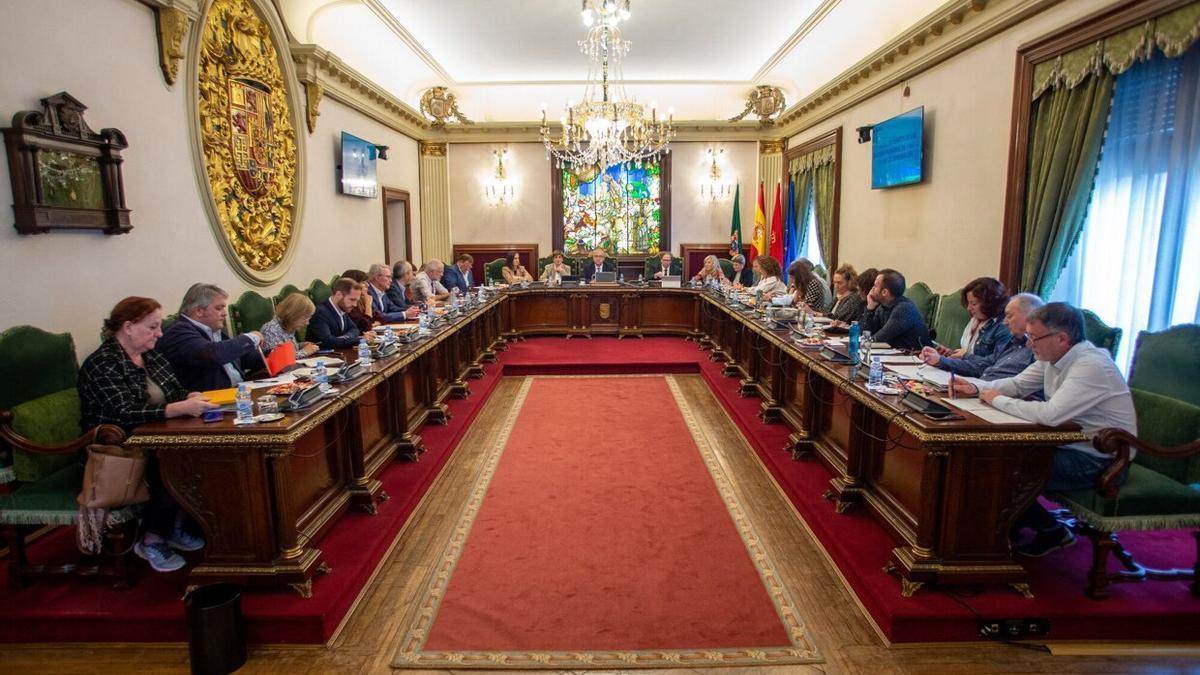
758, 244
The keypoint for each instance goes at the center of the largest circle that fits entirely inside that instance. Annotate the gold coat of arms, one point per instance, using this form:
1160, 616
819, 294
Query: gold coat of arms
248, 136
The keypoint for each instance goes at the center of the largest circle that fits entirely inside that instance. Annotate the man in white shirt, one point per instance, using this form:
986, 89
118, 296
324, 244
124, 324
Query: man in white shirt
1081, 385
427, 285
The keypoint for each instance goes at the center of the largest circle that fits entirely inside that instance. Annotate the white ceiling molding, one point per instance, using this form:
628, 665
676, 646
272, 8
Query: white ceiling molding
956, 27
189, 7
346, 85
401, 32
805, 28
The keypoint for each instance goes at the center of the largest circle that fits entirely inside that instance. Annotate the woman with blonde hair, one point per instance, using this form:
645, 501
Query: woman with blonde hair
711, 272
291, 314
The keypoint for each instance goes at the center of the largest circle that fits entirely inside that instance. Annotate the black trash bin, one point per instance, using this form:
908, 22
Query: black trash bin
216, 632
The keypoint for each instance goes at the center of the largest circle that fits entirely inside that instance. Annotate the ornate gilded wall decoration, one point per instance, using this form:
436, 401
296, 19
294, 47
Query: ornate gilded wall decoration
766, 102
441, 105
312, 98
172, 26
247, 134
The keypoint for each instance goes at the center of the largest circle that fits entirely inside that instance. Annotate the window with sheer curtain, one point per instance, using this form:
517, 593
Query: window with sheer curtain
1137, 261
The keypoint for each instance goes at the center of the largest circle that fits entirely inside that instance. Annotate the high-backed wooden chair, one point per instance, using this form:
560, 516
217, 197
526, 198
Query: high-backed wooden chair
1101, 334
318, 291
1162, 490
924, 298
250, 312
40, 423
726, 267
492, 270
949, 321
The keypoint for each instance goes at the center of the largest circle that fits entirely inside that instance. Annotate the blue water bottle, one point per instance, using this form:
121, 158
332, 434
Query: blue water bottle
855, 334
875, 375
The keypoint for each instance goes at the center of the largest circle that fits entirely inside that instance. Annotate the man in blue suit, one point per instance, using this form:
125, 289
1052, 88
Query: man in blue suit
402, 276
331, 326
379, 281
201, 353
458, 275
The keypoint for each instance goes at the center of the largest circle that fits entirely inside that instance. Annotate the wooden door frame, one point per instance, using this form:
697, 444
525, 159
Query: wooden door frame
832, 137
397, 195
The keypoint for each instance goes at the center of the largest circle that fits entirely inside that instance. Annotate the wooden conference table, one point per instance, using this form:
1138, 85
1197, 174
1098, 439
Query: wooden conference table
265, 495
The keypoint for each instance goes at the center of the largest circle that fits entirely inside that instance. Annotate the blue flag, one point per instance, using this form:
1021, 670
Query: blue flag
791, 239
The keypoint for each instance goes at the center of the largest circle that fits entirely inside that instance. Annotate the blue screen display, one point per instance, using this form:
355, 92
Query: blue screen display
358, 167
896, 150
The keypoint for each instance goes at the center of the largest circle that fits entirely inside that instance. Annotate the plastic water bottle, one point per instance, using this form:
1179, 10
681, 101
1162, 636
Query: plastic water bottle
423, 321
319, 375
245, 404
389, 335
621, 277
875, 376
866, 347
364, 351
809, 323
855, 334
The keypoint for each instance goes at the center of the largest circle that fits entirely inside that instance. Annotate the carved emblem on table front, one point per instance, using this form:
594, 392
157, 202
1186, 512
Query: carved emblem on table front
605, 310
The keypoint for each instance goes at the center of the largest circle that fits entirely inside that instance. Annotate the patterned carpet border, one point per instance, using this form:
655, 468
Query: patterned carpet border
412, 654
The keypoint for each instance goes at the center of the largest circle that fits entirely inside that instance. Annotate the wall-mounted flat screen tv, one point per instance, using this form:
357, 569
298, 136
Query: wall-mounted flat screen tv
897, 150
358, 167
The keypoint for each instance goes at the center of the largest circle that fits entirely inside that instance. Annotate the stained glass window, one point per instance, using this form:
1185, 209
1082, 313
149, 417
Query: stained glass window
619, 210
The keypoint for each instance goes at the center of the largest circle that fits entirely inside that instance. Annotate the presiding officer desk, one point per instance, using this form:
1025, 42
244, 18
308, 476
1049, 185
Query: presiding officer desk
948, 491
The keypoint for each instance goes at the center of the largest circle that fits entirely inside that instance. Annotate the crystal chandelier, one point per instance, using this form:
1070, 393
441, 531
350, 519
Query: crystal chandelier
607, 127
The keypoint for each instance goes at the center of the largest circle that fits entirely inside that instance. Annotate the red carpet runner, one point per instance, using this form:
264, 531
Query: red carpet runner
602, 541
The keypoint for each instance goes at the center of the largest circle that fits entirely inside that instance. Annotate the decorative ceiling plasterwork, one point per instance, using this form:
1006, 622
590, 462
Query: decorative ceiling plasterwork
245, 116
956, 27
441, 104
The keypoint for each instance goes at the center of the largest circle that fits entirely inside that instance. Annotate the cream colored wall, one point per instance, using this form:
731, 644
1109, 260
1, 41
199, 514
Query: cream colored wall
475, 221
67, 281
946, 230
693, 220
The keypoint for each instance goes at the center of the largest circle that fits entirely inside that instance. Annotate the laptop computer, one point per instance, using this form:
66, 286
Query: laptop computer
606, 277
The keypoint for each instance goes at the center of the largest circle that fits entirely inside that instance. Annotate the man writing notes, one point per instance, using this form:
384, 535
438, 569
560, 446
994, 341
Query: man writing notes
1015, 357
668, 266
331, 327
427, 285
1081, 385
598, 263
202, 355
379, 280
458, 275
891, 317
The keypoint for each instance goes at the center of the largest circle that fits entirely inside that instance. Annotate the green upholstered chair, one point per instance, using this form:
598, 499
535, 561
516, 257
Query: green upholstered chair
168, 320
492, 270
1100, 334
820, 271
925, 300
726, 267
318, 291
250, 312
949, 320
284, 292
40, 425
1163, 487
39, 404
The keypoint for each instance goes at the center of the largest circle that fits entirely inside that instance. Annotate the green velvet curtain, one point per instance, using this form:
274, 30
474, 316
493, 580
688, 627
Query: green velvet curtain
824, 176
803, 182
1066, 133
813, 174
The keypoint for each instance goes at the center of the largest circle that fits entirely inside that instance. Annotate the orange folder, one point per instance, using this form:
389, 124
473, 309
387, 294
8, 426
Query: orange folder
221, 396
281, 357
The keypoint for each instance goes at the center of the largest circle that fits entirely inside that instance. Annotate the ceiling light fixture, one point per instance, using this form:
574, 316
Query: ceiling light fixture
608, 127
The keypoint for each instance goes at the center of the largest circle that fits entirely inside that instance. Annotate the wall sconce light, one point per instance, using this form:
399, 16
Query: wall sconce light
499, 190
713, 188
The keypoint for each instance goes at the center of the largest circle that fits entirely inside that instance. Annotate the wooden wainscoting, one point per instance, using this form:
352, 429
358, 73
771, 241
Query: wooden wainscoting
485, 253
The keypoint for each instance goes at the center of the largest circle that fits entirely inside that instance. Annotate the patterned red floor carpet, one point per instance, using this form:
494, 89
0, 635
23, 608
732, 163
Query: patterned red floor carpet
616, 540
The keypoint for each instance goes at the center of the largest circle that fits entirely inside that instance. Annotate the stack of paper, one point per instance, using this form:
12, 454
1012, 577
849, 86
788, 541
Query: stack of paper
983, 411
